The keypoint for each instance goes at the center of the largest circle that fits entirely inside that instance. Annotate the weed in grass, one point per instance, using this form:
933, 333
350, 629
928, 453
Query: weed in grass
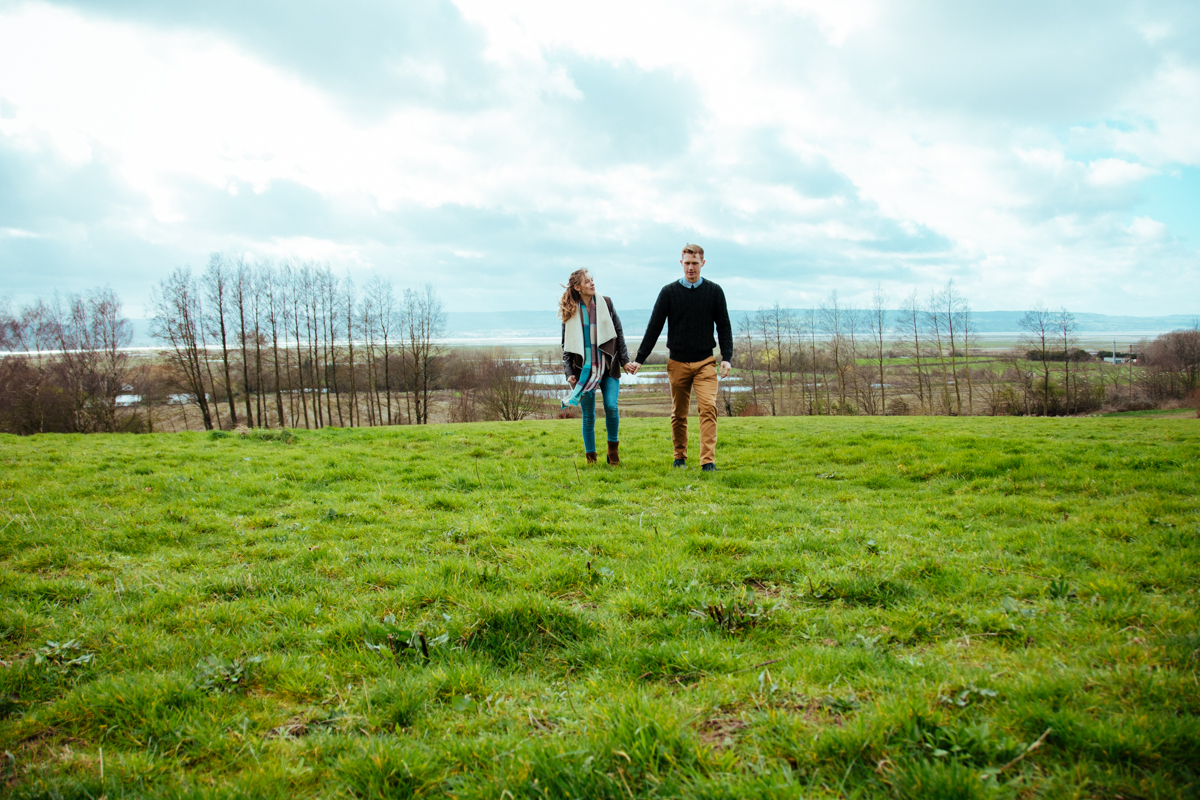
62, 656
928, 737
598, 575
1060, 590
966, 696
735, 617
398, 641
215, 674
858, 590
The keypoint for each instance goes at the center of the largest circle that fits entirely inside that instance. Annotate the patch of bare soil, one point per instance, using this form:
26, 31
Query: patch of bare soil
767, 590
294, 728
720, 731
540, 724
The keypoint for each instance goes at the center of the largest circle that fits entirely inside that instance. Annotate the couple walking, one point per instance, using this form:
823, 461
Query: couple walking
594, 354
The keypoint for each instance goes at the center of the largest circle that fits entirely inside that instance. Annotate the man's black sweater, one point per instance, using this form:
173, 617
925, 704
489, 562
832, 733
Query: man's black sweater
690, 315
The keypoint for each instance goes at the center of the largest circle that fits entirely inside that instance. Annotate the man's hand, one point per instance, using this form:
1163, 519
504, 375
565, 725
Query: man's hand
571, 381
632, 367
725, 367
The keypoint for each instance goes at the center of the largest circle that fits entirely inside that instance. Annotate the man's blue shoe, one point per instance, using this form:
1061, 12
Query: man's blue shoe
680, 462
709, 467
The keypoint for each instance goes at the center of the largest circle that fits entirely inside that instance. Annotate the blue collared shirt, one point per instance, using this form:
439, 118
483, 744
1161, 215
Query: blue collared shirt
684, 283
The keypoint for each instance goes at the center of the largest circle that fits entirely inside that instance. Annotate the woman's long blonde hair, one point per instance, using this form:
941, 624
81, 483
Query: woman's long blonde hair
572, 297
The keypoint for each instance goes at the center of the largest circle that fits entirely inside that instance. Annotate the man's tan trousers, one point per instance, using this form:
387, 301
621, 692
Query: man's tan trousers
700, 376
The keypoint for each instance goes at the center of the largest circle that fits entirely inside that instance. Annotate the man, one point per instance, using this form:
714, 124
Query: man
691, 307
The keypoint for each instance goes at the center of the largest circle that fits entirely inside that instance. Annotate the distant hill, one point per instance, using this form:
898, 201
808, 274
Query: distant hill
1009, 322
545, 324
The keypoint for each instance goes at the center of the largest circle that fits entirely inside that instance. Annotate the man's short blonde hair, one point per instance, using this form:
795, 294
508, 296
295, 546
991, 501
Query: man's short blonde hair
694, 249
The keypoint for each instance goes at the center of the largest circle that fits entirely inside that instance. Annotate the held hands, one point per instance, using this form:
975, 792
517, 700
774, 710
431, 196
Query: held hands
632, 368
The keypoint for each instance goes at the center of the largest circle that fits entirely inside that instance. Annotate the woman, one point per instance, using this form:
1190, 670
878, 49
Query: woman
594, 354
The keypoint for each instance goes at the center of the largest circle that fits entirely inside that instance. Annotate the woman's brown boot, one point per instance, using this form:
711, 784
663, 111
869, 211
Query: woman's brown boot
613, 458
591, 458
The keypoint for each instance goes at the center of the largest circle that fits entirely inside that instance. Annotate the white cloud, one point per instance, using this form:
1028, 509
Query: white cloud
798, 145
1147, 228
1116, 172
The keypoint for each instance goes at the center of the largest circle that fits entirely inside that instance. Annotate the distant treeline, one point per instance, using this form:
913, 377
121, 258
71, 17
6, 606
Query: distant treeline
291, 344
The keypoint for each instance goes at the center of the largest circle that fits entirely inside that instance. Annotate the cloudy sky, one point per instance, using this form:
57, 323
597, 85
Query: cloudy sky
1031, 151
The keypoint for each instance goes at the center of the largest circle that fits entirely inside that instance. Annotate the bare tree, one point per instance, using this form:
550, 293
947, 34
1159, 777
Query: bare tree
911, 331
8, 326
297, 281
1038, 326
864, 398
832, 324
935, 325
878, 323
387, 328
425, 324
967, 325
998, 396
92, 337
243, 287
1066, 328
348, 299
783, 326
178, 323
331, 300
774, 323
798, 365
31, 331
464, 375
216, 304
952, 306
505, 389
1103, 393
312, 321
258, 298
809, 321
275, 291
749, 355
369, 327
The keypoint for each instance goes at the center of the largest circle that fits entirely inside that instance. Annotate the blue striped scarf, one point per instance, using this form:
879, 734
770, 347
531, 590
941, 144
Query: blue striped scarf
595, 362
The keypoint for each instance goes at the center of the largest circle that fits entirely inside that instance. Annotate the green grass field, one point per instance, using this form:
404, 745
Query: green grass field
907, 607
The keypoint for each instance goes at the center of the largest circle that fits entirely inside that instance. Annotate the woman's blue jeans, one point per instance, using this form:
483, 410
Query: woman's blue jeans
609, 387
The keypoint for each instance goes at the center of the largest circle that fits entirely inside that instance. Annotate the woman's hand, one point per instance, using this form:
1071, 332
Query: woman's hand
571, 381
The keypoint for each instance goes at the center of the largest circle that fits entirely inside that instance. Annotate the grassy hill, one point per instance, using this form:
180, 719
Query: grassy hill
851, 606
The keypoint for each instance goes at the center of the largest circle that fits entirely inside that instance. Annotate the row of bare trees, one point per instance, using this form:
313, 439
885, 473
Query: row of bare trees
292, 344
257, 344
924, 358
838, 358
